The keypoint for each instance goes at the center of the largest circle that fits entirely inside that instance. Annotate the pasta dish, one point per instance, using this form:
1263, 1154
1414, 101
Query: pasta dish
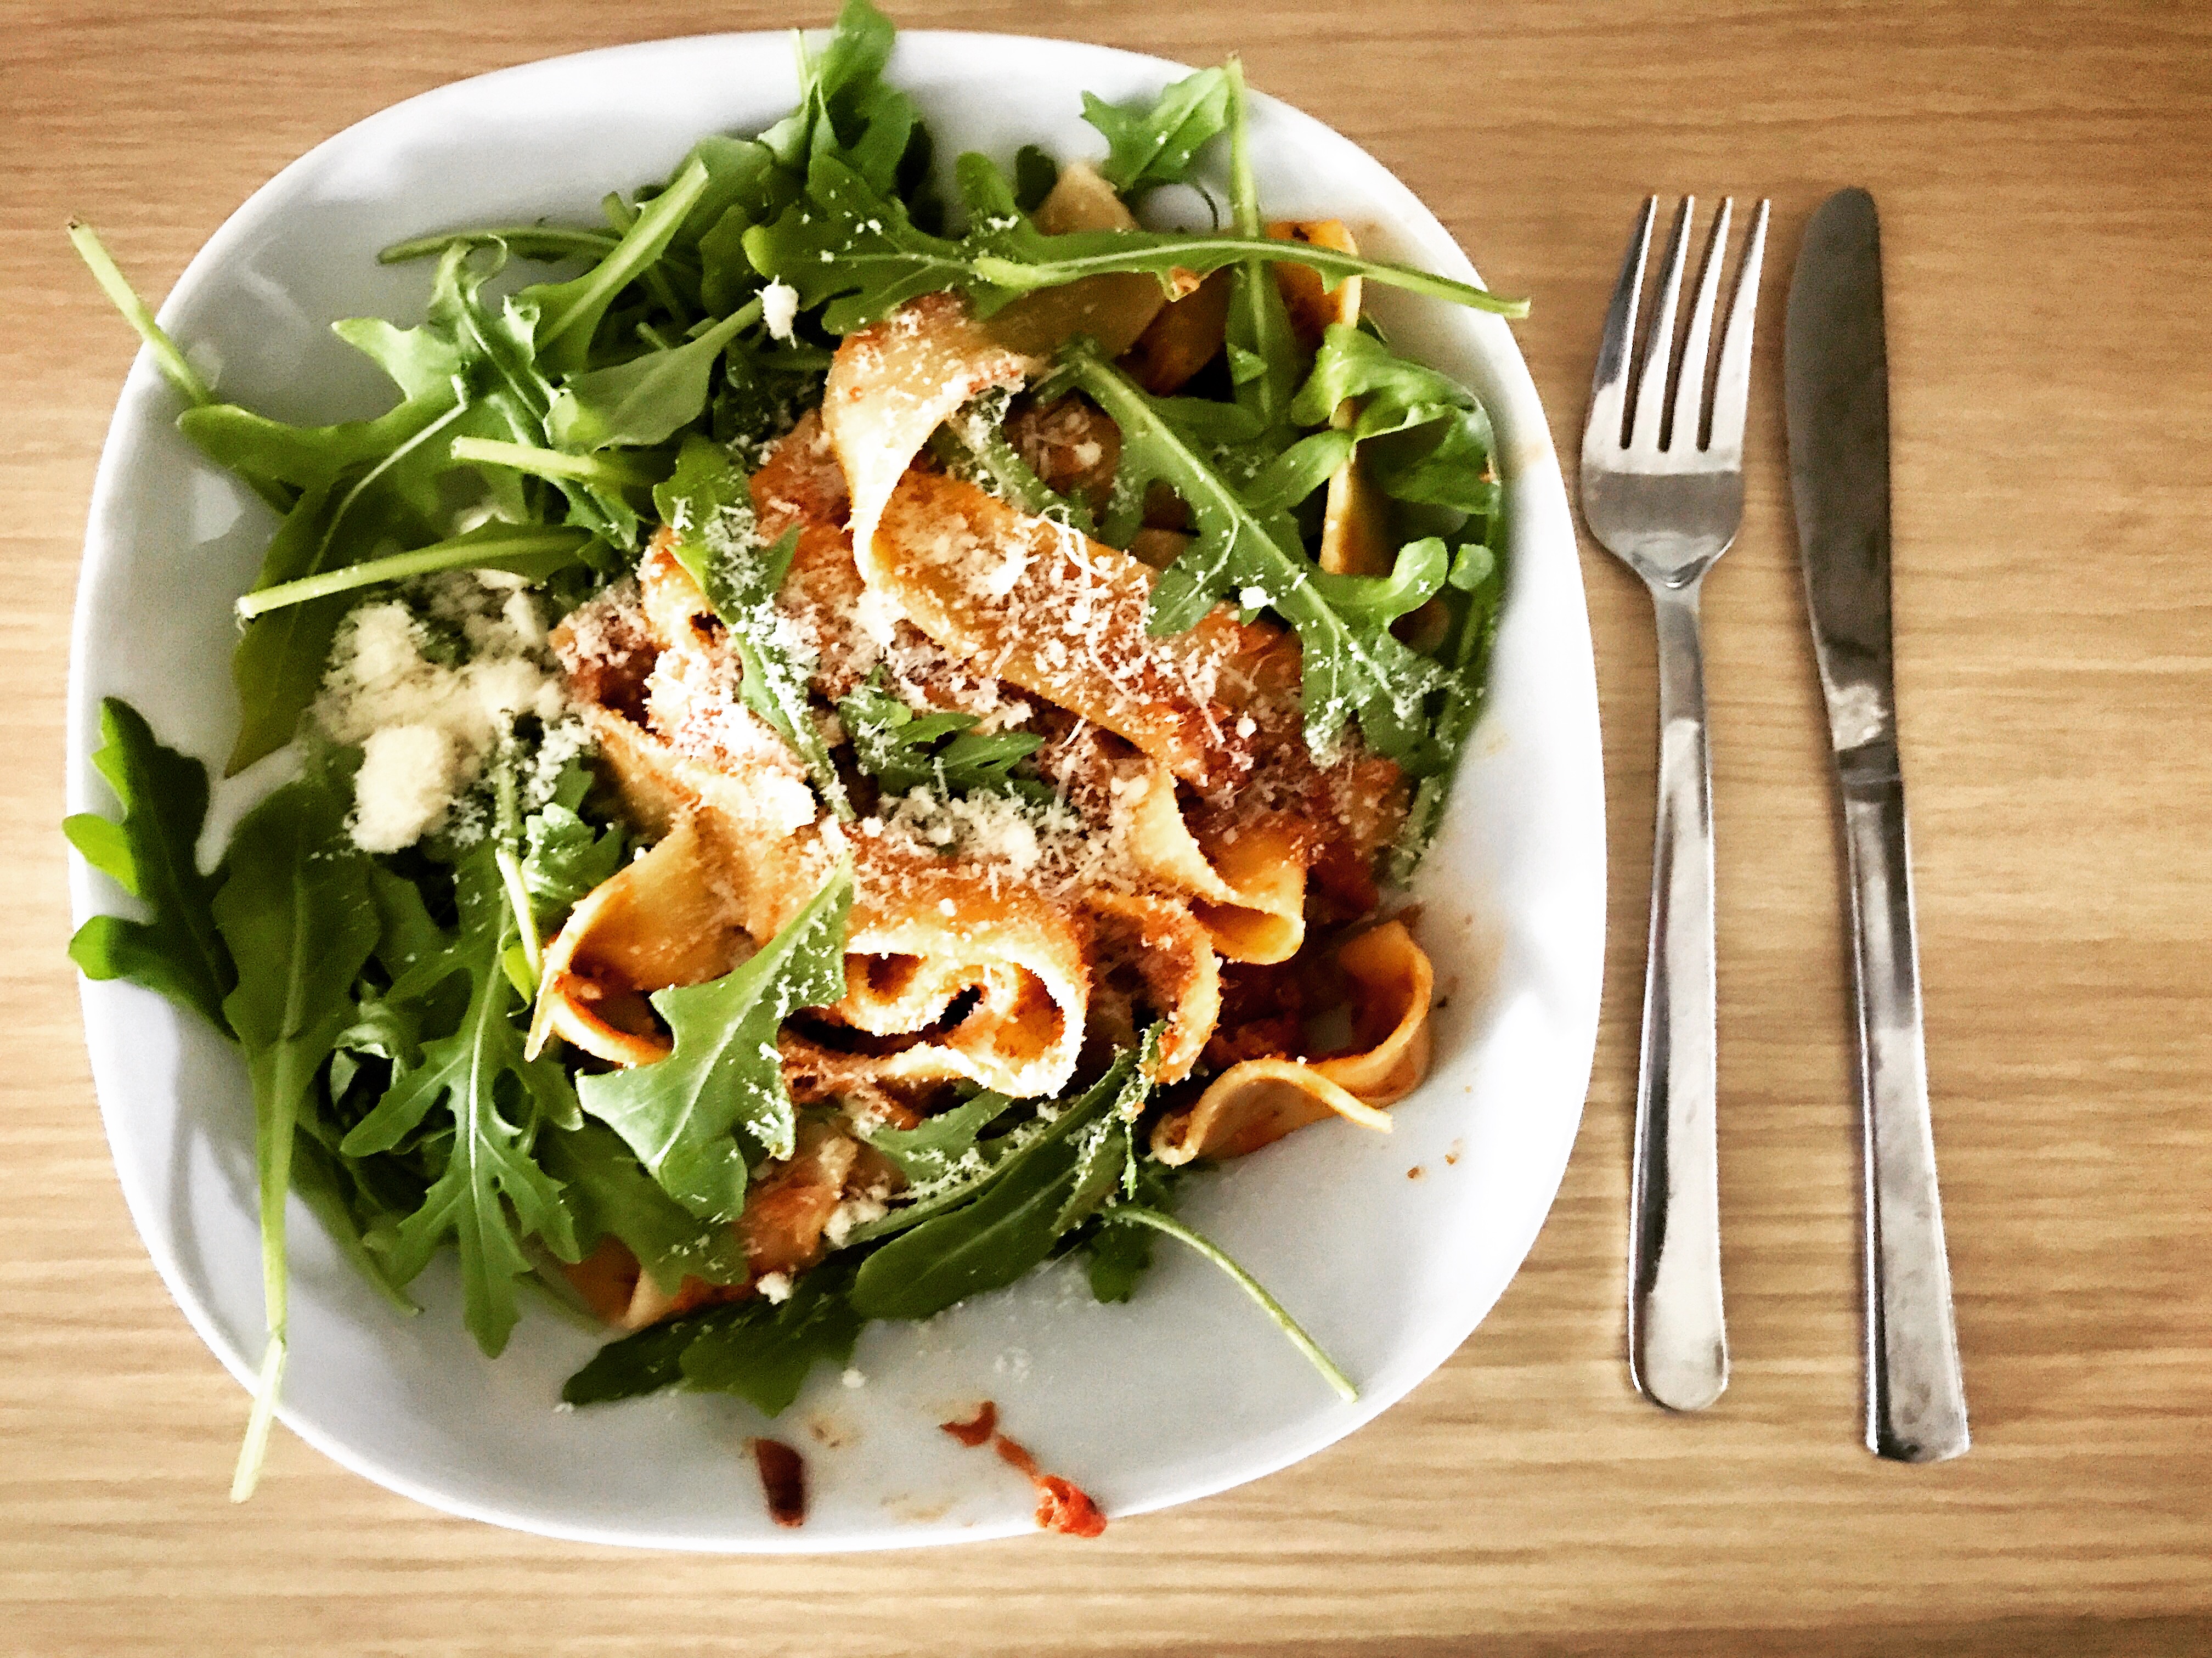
843, 743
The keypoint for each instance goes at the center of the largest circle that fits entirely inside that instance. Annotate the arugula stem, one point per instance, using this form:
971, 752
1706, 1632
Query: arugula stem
361, 487
1243, 191
531, 546
510, 876
598, 471
255, 1447
526, 921
1137, 1214
113, 283
529, 241
1022, 277
175, 367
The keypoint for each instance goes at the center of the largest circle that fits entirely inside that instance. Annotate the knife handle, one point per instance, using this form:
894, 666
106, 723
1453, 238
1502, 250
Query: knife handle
1916, 1395
1677, 1338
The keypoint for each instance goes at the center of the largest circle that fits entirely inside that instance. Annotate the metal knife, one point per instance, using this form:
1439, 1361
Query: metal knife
1837, 397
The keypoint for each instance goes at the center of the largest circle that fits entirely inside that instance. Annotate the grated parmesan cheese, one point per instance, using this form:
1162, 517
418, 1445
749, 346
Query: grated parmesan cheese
430, 685
404, 787
855, 1211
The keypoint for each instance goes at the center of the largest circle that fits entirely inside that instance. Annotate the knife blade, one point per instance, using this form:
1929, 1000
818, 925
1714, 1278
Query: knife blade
1836, 402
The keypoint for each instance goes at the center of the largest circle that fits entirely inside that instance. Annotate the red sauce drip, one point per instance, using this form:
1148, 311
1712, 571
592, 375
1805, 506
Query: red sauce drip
783, 1477
1062, 1505
1018, 1455
977, 1429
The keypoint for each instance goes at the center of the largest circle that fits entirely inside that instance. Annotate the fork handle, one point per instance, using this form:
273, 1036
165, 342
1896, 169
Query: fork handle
1916, 1397
1677, 1340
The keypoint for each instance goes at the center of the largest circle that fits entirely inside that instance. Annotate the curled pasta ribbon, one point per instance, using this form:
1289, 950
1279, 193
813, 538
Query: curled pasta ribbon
895, 382
1247, 893
654, 923
1171, 956
924, 942
921, 939
1046, 608
1255, 1102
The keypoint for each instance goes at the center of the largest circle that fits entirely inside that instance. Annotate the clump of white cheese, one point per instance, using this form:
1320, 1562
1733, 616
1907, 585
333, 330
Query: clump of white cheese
430, 685
779, 309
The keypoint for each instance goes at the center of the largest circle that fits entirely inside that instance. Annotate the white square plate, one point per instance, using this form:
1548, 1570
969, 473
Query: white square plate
1183, 1391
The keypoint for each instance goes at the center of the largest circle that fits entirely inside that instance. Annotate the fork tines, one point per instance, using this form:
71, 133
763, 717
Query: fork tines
1658, 436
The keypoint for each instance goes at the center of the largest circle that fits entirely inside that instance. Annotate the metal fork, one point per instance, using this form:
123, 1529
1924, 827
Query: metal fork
1667, 507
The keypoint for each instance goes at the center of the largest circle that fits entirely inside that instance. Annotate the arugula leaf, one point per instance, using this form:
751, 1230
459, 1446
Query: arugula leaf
637, 1364
850, 244
849, 239
1120, 1255
609, 1192
764, 391
763, 1351
678, 1112
319, 1178
1377, 601
983, 1245
479, 1072
277, 665
1445, 459
421, 362
567, 315
265, 452
648, 399
1035, 175
1033, 1196
413, 951
904, 750
1004, 263
606, 474
853, 56
742, 176
1293, 475
757, 1348
940, 1144
565, 857
512, 364
392, 502
383, 1028
973, 445
1477, 570
295, 912
707, 507
149, 854
1349, 669
1119, 1258
1154, 145
844, 105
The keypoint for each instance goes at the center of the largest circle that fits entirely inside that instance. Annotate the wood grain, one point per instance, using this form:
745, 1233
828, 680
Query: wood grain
2047, 208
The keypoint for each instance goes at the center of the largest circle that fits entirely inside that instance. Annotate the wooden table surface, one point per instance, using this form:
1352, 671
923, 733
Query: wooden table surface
2044, 174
